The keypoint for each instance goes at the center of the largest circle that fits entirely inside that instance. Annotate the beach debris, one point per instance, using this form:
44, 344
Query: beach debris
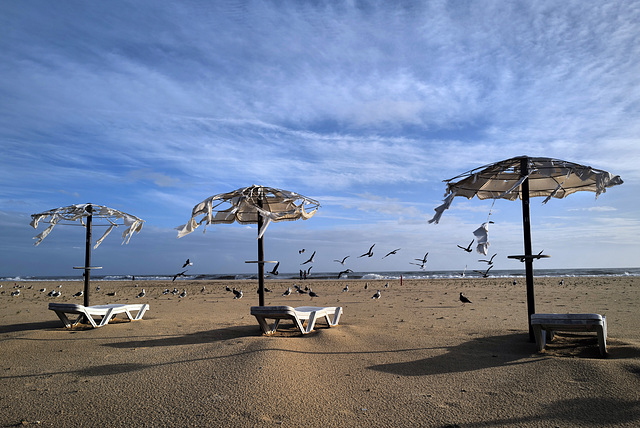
178, 274
464, 299
187, 263
377, 295
344, 272
484, 274
310, 260
341, 261
142, 293
368, 253
274, 271
482, 233
286, 292
392, 252
111, 294
183, 294
468, 248
490, 261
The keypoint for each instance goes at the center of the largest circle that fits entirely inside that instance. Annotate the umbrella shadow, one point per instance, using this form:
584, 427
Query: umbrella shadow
41, 325
197, 338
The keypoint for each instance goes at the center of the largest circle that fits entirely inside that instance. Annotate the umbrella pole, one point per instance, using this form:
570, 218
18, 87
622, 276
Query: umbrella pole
528, 260
87, 256
260, 260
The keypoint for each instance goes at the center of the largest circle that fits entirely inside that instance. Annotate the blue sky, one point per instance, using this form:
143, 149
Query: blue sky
151, 107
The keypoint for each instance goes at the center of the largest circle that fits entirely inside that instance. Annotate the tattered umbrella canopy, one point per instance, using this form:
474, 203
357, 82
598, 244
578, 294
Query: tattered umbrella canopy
251, 205
523, 177
86, 213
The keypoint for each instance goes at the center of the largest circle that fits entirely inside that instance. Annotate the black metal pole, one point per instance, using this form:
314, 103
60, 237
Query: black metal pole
528, 260
87, 256
260, 260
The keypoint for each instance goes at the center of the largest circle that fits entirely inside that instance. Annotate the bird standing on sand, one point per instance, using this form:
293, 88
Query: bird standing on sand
377, 295
42, 290
286, 292
368, 253
237, 293
183, 294
561, 282
310, 259
78, 294
312, 293
187, 263
468, 249
392, 252
342, 261
142, 293
464, 299
15, 293
346, 288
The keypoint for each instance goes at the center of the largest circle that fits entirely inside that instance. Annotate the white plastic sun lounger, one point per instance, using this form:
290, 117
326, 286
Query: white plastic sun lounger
105, 312
299, 315
544, 324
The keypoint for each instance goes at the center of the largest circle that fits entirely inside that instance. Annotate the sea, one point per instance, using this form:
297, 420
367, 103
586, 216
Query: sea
393, 275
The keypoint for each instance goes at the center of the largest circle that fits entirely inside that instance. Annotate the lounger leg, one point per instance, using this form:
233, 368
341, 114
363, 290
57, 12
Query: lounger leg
336, 317
64, 319
263, 324
311, 322
602, 337
141, 312
540, 335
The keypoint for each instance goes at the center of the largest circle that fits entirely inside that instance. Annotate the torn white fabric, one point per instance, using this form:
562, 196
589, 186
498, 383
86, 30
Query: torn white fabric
547, 177
79, 212
245, 205
482, 238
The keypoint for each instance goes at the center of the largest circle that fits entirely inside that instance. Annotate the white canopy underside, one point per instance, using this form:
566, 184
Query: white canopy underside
79, 211
247, 204
552, 178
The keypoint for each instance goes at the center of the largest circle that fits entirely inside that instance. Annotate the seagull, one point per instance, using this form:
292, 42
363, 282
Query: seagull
490, 261
183, 294
54, 293
300, 290
42, 290
464, 299
377, 295
177, 275
484, 274
78, 294
342, 261
561, 282
98, 288
166, 291
227, 288
368, 253
310, 259
392, 252
187, 263
286, 292
142, 293
515, 282
174, 291
238, 294
366, 285
468, 249
312, 294
111, 294
418, 264
301, 251
346, 288
422, 260
203, 289
266, 290
464, 271
308, 272
15, 293
344, 272
275, 269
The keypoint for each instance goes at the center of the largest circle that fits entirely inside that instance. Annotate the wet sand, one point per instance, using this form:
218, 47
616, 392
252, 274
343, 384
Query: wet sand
415, 357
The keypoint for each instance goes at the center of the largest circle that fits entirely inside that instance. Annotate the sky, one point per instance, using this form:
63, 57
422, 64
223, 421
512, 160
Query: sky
150, 107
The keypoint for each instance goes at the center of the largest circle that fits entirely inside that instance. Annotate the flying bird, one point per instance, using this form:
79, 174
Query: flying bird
142, 293
392, 252
286, 292
484, 274
187, 263
468, 249
490, 261
275, 269
344, 272
177, 275
377, 295
310, 259
301, 251
368, 253
422, 260
308, 272
342, 261
464, 299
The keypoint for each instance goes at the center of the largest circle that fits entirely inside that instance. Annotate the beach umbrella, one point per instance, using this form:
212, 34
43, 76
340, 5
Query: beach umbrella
523, 177
252, 205
88, 215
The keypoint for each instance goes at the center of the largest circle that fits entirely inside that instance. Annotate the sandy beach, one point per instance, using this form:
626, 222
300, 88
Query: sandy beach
415, 357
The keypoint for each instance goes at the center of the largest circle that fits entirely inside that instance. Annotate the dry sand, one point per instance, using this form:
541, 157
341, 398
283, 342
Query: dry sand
415, 357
